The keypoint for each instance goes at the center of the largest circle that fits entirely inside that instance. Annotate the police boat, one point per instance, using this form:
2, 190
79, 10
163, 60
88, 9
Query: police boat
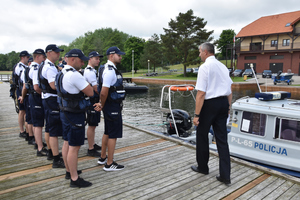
265, 129
177, 122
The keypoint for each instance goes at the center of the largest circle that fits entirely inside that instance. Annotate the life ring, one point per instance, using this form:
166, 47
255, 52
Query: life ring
182, 88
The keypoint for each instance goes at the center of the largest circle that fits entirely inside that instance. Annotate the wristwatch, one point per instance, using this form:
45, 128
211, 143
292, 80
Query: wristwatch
196, 115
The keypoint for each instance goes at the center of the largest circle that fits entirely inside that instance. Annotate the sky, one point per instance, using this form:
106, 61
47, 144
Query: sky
32, 24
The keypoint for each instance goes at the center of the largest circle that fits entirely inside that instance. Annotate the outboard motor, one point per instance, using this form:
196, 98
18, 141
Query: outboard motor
183, 122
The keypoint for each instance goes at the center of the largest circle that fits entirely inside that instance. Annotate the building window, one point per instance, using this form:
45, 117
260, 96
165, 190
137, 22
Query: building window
286, 42
253, 123
250, 57
277, 57
273, 43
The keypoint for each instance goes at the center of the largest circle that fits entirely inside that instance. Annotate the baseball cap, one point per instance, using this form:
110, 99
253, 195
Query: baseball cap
39, 51
95, 54
53, 47
24, 53
114, 50
30, 59
77, 53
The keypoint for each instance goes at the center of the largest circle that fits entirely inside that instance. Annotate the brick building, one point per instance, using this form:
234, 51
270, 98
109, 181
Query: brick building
271, 42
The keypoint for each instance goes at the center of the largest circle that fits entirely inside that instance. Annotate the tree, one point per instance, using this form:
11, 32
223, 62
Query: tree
226, 38
12, 59
182, 39
3, 59
136, 44
152, 52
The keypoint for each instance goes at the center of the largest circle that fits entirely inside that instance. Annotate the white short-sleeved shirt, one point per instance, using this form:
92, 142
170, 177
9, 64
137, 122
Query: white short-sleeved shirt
90, 75
31, 71
109, 76
73, 82
19, 68
34, 74
49, 72
213, 79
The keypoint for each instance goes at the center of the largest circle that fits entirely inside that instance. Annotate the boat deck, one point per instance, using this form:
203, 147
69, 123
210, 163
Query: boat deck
155, 168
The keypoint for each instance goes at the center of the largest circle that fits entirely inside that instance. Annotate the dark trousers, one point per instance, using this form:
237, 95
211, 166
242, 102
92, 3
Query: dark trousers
213, 113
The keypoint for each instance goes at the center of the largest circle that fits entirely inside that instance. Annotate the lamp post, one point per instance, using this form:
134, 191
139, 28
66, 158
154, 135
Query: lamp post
148, 65
132, 63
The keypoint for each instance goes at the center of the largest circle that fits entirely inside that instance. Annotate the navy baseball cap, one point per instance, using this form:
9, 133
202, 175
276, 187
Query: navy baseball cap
114, 50
95, 54
30, 59
53, 47
24, 53
39, 51
77, 53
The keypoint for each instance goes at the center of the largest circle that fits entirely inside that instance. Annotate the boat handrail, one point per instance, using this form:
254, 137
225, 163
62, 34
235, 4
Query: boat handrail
245, 97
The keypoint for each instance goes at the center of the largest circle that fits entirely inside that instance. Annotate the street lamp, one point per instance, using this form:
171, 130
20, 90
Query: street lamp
132, 62
148, 65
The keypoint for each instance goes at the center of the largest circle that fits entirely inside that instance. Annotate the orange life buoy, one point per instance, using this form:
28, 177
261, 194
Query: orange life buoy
182, 88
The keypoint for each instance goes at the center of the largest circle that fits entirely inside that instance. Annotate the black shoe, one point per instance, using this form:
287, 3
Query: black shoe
102, 161
23, 134
113, 167
27, 137
36, 146
196, 169
68, 175
80, 183
93, 153
226, 181
31, 141
58, 164
43, 152
97, 147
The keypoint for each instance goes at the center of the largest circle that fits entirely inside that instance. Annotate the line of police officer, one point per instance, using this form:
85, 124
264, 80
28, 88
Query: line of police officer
59, 97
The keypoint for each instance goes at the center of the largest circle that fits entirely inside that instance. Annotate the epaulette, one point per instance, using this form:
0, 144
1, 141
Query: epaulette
51, 64
90, 68
110, 67
35, 67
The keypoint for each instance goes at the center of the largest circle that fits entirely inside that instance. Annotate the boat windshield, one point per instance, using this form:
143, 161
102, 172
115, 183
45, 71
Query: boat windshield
253, 123
287, 129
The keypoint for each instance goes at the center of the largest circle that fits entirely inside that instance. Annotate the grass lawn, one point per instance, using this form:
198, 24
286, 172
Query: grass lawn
5, 72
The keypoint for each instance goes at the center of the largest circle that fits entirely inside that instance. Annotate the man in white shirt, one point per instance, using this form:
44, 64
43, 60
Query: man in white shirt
111, 96
20, 67
49, 96
212, 106
72, 88
93, 117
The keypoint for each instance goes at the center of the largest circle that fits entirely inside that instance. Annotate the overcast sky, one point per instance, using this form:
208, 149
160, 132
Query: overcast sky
32, 24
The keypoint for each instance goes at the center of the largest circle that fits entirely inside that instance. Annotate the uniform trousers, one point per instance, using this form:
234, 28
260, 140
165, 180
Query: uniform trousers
214, 113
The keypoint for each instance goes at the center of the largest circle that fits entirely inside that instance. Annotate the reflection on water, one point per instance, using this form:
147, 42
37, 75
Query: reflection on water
142, 109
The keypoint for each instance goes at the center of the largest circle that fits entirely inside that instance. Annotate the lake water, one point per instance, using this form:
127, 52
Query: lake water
142, 110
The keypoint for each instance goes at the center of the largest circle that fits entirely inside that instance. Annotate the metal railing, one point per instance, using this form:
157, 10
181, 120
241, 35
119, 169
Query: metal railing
5, 77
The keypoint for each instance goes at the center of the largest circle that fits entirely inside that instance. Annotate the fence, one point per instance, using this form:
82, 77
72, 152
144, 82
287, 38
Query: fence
5, 77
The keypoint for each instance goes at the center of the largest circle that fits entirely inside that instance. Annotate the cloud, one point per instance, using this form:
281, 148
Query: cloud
34, 24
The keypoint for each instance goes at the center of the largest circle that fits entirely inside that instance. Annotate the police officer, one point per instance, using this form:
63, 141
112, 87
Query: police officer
47, 74
20, 67
111, 96
35, 101
93, 117
71, 87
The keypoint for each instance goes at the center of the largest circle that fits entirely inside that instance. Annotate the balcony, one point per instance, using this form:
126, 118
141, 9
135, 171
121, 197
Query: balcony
259, 48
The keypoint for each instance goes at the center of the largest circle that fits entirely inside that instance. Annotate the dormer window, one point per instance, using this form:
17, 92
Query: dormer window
288, 24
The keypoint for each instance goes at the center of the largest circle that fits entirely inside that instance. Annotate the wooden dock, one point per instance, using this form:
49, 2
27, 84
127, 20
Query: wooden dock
155, 168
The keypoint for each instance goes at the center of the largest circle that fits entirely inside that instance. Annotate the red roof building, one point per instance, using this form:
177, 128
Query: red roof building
271, 42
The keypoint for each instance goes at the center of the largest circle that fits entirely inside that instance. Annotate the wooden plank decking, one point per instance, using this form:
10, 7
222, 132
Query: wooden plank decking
155, 168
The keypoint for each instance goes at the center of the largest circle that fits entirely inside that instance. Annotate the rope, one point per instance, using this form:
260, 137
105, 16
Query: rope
146, 124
